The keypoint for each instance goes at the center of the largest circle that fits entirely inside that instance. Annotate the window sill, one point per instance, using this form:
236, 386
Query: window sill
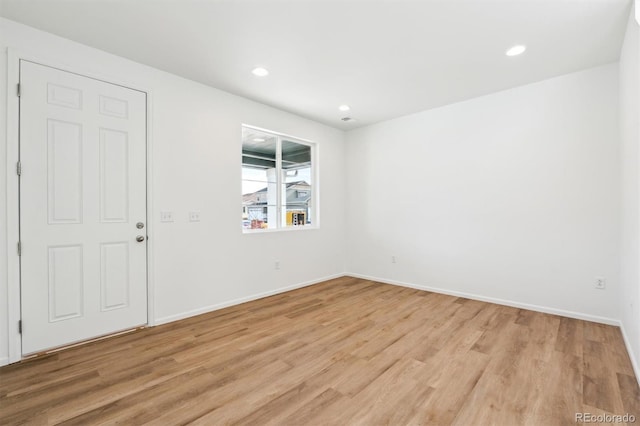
290, 229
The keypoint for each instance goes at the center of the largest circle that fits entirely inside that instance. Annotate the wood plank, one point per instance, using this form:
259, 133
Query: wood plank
600, 383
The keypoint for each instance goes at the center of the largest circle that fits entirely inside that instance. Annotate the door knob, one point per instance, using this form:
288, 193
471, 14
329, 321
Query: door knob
139, 225
139, 238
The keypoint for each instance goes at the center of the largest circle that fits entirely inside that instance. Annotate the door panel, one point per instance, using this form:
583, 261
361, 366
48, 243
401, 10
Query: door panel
64, 172
82, 191
66, 282
114, 275
114, 179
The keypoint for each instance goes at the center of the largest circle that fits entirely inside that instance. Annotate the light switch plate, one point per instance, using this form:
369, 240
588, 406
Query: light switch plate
166, 216
194, 216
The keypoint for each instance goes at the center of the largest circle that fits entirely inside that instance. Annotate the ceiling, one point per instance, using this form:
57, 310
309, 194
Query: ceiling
383, 58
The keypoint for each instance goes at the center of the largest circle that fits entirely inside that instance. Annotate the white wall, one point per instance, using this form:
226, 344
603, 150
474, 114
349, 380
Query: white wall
196, 133
630, 159
4, 350
512, 196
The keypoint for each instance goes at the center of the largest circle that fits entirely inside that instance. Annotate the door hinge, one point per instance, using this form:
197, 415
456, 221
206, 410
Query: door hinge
20, 326
19, 168
18, 91
19, 248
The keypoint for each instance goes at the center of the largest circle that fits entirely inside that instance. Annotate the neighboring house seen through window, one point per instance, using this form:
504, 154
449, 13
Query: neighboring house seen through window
277, 181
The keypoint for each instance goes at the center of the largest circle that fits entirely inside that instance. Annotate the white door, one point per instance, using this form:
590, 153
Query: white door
82, 194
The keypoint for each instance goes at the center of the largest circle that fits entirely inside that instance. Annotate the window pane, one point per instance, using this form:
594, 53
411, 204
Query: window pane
259, 216
258, 155
298, 204
296, 162
296, 175
259, 180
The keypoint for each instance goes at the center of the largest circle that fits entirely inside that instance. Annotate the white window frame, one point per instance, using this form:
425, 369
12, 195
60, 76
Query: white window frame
315, 210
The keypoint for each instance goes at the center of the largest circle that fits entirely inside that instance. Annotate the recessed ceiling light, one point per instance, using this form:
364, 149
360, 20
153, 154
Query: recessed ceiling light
344, 108
516, 50
259, 139
260, 72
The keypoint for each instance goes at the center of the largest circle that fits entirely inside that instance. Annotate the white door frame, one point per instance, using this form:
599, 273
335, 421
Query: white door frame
13, 195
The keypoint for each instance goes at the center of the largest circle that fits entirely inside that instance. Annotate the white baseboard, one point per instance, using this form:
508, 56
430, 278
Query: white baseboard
631, 352
537, 308
217, 306
4, 361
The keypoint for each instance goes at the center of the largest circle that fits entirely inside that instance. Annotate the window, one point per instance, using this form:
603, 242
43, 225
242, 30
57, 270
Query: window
277, 181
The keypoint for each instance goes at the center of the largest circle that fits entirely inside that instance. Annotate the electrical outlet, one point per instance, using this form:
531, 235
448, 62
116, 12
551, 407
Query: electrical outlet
393, 259
276, 264
600, 283
194, 216
166, 216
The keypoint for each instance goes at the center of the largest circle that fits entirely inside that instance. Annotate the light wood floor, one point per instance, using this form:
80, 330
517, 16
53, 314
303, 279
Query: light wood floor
343, 352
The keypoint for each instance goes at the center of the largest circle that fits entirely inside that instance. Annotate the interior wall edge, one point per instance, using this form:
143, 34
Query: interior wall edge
504, 302
632, 355
233, 302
